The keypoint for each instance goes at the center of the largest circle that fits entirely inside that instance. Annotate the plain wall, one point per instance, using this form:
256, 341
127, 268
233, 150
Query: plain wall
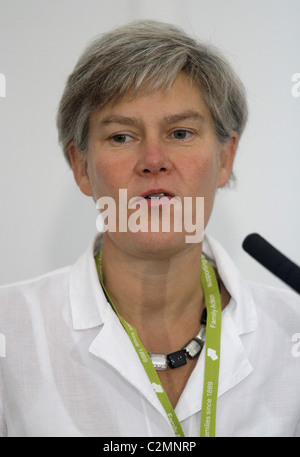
46, 222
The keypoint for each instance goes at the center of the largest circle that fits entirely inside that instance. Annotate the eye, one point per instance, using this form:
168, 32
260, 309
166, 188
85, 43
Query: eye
181, 134
121, 138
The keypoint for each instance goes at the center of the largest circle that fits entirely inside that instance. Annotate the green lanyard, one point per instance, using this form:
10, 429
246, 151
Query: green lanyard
212, 353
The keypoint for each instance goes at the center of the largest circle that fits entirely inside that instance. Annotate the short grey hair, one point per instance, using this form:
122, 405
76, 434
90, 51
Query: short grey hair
151, 53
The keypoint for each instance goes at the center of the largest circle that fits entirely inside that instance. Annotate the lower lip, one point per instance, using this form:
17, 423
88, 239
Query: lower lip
151, 202
156, 202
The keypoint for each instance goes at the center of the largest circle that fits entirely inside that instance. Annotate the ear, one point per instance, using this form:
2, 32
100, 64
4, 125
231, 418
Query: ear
227, 155
79, 166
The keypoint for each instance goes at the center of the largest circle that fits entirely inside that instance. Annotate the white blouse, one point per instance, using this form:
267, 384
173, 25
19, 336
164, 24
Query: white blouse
68, 368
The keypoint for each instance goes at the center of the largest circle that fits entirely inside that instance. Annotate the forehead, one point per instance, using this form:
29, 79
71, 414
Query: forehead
166, 104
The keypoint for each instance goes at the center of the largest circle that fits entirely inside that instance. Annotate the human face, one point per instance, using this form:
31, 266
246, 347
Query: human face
160, 141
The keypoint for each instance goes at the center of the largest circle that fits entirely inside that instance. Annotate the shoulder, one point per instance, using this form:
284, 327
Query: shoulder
279, 306
30, 308
273, 305
36, 281
29, 290
274, 296
54, 282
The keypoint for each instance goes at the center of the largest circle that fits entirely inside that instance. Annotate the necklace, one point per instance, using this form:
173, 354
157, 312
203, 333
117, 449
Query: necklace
178, 358
191, 350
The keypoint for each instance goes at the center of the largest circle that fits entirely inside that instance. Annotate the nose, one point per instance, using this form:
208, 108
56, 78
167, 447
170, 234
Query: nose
153, 159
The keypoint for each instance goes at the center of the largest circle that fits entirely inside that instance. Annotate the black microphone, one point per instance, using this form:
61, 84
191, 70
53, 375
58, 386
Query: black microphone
262, 251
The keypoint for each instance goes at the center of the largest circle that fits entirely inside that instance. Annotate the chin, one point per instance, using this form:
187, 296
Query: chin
152, 244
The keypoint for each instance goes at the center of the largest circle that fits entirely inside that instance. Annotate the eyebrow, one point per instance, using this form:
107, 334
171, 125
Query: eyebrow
170, 119
117, 119
190, 114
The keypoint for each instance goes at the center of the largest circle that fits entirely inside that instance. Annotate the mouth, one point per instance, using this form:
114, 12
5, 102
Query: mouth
156, 194
154, 198
157, 197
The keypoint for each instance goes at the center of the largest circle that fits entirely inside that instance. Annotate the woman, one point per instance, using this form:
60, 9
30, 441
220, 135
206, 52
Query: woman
112, 346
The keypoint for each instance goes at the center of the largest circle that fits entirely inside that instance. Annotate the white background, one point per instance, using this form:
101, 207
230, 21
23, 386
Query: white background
46, 222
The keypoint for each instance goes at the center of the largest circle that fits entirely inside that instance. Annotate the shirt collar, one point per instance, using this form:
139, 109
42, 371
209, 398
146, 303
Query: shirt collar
242, 306
89, 304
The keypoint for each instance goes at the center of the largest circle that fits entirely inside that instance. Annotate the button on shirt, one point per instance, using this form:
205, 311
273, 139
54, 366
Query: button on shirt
68, 368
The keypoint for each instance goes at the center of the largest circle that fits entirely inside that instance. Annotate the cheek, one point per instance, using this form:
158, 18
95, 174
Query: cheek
203, 181
203, 176
98, 178
106, 177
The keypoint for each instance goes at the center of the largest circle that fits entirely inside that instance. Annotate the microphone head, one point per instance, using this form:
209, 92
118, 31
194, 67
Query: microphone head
272, 259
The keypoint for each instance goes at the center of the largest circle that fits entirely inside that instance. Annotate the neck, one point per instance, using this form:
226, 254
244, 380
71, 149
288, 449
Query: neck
161, 297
